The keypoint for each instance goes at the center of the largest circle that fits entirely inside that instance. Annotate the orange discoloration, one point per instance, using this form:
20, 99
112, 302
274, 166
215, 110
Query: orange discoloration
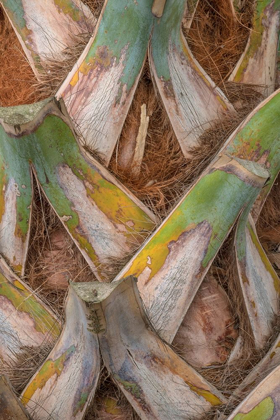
103, 59
49, 369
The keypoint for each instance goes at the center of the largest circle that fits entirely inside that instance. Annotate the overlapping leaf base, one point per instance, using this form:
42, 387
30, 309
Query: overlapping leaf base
156, 95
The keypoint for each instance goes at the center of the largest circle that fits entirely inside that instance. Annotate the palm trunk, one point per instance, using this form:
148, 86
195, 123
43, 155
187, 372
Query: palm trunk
107, 223
207, 333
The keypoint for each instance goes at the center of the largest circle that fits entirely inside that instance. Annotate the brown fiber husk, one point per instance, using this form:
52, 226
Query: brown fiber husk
16, 77
217, 41
217, 38
165, 173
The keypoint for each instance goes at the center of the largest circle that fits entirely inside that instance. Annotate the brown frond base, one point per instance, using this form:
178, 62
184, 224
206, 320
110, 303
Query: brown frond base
217, 43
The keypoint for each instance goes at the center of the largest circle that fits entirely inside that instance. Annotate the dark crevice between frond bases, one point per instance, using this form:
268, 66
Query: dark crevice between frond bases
95, 6
109, 402
53, 259
165, 173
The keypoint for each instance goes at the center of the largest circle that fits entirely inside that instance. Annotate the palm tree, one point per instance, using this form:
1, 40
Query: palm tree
171, 291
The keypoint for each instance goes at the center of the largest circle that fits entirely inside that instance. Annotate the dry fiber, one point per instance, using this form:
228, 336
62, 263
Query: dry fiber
216, 40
